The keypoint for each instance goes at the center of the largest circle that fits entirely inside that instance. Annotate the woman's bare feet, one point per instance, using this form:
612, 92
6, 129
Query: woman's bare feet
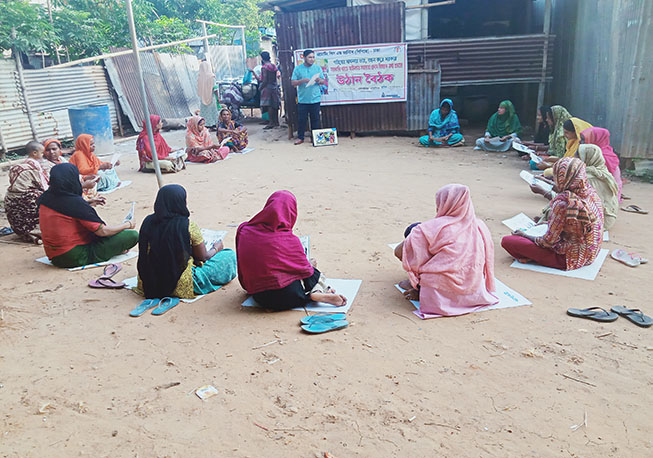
411, 294
313, 262
523, 260
329, 298
405, 284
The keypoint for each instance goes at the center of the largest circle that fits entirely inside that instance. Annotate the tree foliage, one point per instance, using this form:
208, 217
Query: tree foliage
90, 27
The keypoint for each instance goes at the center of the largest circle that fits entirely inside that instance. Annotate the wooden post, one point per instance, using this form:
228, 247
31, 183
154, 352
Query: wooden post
207, 53
547, 31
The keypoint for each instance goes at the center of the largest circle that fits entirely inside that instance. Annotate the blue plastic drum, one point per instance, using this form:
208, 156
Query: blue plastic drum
94, 120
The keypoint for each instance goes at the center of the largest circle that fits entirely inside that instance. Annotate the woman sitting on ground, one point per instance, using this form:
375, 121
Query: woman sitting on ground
173, 259
272, 264
199, 145
544, 121
90, 166
73, 233
233, 130
601, 138
575, 230
27, 181
443, 127
167, 164
571, 129
450, 258
599, 178
53, 151
502, 128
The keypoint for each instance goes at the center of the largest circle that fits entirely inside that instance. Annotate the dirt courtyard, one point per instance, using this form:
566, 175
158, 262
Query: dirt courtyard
78, 376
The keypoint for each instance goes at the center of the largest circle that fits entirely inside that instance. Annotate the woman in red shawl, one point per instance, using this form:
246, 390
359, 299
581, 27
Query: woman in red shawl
199, 145
601, 138
272, 264
167, 163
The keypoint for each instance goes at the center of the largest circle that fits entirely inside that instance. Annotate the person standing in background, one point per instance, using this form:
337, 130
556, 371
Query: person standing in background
206, 90
307, 78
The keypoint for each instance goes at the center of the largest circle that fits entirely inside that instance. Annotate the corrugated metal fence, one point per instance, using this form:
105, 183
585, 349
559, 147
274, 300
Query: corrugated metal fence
342, 27
50, 93
604, 65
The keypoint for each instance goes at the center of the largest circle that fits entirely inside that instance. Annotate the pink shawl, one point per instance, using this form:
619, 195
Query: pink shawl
601, 138
451, 257
269, 255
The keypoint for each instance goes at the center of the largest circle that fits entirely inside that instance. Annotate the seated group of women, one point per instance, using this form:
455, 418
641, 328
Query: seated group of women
450, 259
29, 179
200, 147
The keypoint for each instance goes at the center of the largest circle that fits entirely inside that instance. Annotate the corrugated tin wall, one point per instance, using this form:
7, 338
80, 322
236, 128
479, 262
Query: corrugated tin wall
51, 93
342, 27
604, 63
423, 94
227, 62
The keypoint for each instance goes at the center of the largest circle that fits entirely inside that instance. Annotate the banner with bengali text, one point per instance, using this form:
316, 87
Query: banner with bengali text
374, 73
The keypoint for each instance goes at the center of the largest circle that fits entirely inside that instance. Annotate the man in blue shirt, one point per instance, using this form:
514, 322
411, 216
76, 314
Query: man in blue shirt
307, 78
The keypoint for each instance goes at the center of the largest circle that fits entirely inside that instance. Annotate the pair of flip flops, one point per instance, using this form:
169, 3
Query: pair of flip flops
602, 315
160, 306
630, 259
635, 209
324, 322
106, 279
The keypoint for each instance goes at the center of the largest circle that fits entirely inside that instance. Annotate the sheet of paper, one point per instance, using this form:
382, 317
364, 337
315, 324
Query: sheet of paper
531, 180
123, 184
177, 154
210, 237
130, 214
348, 288
606, 236
131, 283
519, 222
306, 243
585, 273
393, 245
312, 80
116, 259
521, 148
535, 158
538, 230
507, 296
115, 158
225, 141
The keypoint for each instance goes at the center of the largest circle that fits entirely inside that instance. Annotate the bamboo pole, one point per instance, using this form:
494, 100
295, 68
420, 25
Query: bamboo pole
431, 5
141, 87
124, 53
21, 82
547, 31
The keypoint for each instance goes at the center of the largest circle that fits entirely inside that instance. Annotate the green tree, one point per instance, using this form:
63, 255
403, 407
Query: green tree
33, 31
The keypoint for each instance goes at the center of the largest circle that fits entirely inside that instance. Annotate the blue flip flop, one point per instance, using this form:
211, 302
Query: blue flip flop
144, 307
323, 318
320, 326
166, 304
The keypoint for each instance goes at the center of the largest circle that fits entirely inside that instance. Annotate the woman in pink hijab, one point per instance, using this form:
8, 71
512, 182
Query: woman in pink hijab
449, 259
272, 263
601, 138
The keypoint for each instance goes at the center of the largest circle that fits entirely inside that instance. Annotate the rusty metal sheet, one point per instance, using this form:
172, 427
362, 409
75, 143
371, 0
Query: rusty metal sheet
423, 94
342, 27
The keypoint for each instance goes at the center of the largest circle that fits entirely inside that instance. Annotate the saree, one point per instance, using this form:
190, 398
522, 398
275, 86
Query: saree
89, 164
601, 138
602, 181
27, 182
237, 141
557, 140
441, 127
574, 143
270, 96
451, 257
197, 137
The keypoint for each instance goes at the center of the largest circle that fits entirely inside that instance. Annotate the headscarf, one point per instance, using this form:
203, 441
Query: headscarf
269, 255
36, 177
571, 179
164, 243
195, 137
601, 138
65, 194
143, 143
87, 162
446, 125
572, 145
60, 159
557, 140
453, 252
505, 124
601, 180
205, 83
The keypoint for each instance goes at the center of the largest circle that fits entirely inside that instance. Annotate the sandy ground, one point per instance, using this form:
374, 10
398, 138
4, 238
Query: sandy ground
501, 383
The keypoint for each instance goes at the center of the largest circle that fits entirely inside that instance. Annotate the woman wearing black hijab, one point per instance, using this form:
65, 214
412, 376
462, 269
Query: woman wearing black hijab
173, 260
73, 234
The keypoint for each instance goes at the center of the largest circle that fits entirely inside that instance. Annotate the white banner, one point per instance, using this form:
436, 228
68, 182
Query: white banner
374, 73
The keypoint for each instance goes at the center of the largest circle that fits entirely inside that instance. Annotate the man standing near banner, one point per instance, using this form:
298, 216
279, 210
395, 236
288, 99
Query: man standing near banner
307, 78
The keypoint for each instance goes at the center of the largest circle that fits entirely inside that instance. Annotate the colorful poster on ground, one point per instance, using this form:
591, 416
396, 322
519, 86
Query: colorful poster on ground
374, 73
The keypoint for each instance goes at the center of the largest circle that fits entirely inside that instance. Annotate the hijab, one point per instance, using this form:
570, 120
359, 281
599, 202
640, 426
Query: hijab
87, 162
601, 180
505, 124
448, 123
601, 138
28, 176
65, 194
571, 179
143, 143
572, 145
164, 243
269, 255
196, 137
205, 83
557, 140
